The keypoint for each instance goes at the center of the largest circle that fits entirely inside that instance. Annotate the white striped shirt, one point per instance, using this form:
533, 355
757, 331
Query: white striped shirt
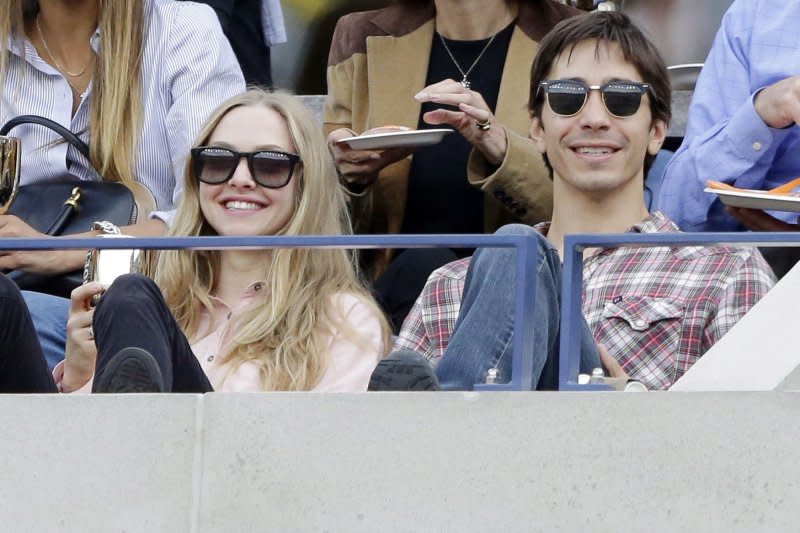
188, 69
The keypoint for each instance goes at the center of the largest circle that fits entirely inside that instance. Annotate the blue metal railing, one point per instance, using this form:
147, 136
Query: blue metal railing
571, 290
526, 246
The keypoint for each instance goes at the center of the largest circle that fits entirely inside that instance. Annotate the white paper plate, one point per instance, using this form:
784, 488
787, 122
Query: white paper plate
396, 139
758, 200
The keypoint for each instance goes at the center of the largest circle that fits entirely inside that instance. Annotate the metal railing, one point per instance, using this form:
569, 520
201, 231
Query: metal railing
526, 246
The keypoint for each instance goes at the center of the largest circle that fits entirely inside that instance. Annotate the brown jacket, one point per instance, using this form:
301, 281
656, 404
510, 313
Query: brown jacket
379, 61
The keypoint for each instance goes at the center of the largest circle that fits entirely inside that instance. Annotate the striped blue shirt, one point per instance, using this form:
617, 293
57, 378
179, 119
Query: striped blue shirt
188, 70
726, 140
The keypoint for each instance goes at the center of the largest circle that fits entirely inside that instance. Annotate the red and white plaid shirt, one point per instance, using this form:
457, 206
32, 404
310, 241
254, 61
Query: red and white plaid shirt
657, 310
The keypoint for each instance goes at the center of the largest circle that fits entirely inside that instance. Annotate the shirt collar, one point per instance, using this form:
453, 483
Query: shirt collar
32, 56
656, 222
254, 290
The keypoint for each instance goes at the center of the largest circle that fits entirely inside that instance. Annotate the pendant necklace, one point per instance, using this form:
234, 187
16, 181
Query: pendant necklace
465, 75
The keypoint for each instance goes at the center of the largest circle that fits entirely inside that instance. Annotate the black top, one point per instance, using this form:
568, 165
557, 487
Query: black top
440, 199
241, 23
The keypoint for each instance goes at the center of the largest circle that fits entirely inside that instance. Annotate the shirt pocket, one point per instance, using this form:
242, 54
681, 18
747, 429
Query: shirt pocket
644, 334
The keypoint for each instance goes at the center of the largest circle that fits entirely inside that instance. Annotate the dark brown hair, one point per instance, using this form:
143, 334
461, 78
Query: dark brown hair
608, 27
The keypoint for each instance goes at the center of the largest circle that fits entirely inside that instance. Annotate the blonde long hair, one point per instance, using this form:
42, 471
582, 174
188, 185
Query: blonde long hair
115, 120
287, 334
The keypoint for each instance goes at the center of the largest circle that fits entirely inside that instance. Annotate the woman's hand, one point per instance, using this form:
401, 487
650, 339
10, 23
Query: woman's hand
472, 112
81, 353
361, 167
49, 262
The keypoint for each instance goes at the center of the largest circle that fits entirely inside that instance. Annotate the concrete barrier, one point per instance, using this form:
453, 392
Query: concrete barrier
401, 462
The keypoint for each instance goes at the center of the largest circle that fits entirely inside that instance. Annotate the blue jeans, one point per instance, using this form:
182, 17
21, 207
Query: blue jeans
484, 332
49, 314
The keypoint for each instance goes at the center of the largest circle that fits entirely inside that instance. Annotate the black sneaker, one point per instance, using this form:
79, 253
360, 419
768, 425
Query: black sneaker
403, 371
130, 370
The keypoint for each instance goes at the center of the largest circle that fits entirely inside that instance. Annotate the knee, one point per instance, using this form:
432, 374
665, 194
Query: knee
491, 256
129, 288
523, 230
516, 229
9, 289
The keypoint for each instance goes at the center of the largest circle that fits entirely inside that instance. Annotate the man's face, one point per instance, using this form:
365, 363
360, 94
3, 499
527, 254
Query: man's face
594, 151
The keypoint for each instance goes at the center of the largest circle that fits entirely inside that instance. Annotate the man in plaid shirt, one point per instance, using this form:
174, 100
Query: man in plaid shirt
600, 107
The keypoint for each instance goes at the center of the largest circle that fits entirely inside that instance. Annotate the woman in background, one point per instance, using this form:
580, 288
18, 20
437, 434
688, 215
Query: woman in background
430, 64
135, 79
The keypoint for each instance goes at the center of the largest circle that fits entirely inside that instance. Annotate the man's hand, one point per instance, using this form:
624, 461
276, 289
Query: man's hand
613, 368
472, 110
81, 353
779, 104
361, 167
756, 220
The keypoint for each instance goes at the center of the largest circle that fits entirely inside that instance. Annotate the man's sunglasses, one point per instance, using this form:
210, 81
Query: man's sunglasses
567, 97
269, 168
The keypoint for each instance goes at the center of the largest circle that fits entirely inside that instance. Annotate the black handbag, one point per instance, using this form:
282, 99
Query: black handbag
65, 207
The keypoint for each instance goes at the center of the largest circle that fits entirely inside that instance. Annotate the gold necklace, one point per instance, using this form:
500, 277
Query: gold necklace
464, 75
58, 65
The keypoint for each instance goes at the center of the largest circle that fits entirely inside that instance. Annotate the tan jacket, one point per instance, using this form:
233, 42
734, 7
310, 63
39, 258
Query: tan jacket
379, 61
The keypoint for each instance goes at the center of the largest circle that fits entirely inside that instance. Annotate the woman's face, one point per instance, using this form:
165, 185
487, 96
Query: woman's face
240, 206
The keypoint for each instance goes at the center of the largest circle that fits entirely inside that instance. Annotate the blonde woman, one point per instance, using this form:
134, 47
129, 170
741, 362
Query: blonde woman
238, 320
135, 78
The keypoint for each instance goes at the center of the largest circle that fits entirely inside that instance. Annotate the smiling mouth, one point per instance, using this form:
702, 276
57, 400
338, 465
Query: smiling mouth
238, 205
594, 150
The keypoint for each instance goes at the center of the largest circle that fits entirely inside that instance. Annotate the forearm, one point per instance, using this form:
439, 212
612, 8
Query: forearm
739, 150
521, 182
70, 260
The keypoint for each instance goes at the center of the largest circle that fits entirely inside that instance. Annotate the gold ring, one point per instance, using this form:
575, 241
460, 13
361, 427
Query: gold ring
484, 126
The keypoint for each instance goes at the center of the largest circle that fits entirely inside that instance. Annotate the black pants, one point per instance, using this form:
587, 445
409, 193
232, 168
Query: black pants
397, 289
781, 259
241, 24
23, 368
133, 313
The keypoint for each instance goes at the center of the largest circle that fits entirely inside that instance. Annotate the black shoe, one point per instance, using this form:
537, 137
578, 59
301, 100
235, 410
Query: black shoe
130, 370
403, 371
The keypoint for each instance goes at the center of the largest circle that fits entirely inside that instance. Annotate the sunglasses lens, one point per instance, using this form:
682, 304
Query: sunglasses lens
566, 98
215, 164
622, 100
272, 169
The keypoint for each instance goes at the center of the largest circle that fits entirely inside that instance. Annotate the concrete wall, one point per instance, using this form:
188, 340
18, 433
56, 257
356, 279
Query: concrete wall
401, 462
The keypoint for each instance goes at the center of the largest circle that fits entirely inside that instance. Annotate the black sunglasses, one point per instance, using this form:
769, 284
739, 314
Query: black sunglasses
269, 168
567, 97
